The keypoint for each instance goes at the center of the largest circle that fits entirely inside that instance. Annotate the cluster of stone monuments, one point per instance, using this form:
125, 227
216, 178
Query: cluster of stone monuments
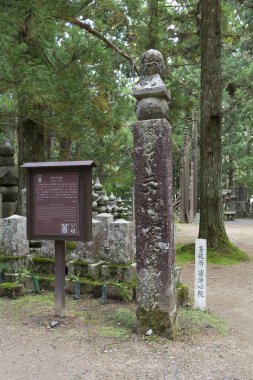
110, 256
113, 241
113, 205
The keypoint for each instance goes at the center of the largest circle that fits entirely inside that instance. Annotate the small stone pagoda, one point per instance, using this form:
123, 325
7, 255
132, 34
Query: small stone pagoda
8, 179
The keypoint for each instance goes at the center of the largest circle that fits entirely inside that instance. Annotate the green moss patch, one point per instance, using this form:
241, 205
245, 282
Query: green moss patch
81, 263
123, 317
9, 285
118, 290
43, 265
71, 245
157, 320
43, 260
11, 289
192, 321
118, 266
228, 256
5, 259
114, 332
46, 282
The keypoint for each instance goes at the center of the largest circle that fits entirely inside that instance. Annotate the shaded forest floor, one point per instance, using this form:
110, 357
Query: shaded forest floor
94, 342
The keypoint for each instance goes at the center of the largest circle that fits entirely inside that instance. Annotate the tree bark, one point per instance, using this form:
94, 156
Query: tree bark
31, 148
230, 172
153, 25
31, 130
211, 215
64, 153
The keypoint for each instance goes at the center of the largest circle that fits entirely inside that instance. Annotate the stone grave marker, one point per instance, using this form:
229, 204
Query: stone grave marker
155, 251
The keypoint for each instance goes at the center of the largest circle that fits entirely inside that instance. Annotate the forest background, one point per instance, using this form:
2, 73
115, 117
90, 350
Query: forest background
67, 69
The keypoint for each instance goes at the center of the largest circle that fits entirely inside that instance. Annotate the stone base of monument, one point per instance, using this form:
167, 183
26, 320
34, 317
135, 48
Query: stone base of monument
161, 322
119, 279
182, 294
11, 290
123, 273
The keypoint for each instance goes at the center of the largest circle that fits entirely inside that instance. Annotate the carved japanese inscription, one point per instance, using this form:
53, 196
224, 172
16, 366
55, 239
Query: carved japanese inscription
155, 253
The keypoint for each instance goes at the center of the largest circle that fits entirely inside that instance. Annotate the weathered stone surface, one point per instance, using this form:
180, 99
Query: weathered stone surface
94, 269
155, 250
105, 272
6, 150
84, 251
23, 211
105, 219
6, 161
8, 175
129, 273
122, 273
97, 237
8, 179
92, 251
1, 206
14, 241
178, 272
121, 242
152, 63
70, 266
154, 224
9, 193
151, 85
151, 108
47, 248
8, 209
1, 233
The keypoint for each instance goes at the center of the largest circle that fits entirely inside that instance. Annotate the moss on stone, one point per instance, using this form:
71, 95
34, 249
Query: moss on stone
43, 260
5, 259
43, 265
71, 245
158, 320
182, 293
118, 266
9, 285
80, 263
45, 282
11, 289
119, 290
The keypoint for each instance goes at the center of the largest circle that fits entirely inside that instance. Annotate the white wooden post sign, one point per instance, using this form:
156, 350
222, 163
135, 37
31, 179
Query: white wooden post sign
200, 274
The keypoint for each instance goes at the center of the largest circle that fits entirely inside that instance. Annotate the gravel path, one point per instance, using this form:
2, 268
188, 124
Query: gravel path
35, 352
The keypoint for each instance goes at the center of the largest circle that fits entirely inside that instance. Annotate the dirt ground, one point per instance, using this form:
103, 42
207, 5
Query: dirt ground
74, 350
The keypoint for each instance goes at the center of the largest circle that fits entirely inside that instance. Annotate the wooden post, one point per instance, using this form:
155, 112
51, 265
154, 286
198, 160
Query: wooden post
60, 278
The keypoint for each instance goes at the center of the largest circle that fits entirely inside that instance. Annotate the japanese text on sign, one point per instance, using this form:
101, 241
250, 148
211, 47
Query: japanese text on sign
56, 202
200, 274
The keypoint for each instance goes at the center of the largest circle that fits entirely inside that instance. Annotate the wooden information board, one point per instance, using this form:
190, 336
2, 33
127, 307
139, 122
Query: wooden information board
59, 207
59, 200
56, 203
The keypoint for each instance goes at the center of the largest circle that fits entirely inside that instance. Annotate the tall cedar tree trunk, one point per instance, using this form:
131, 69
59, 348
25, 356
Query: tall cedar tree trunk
153, 25
211, 217
230, 172
31, 148
31, 134
65, 145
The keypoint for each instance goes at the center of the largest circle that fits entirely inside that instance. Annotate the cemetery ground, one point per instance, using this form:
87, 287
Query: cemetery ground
96, 341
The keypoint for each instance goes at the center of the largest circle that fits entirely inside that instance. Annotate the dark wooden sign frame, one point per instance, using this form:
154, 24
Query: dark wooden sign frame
53, 188
84, 170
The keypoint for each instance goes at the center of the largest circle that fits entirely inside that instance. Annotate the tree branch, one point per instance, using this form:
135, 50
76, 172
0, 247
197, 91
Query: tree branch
108, 43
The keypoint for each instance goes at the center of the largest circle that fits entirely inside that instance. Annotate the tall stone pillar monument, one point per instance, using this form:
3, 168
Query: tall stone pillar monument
155, 249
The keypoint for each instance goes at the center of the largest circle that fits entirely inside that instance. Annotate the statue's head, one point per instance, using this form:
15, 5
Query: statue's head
152, 63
